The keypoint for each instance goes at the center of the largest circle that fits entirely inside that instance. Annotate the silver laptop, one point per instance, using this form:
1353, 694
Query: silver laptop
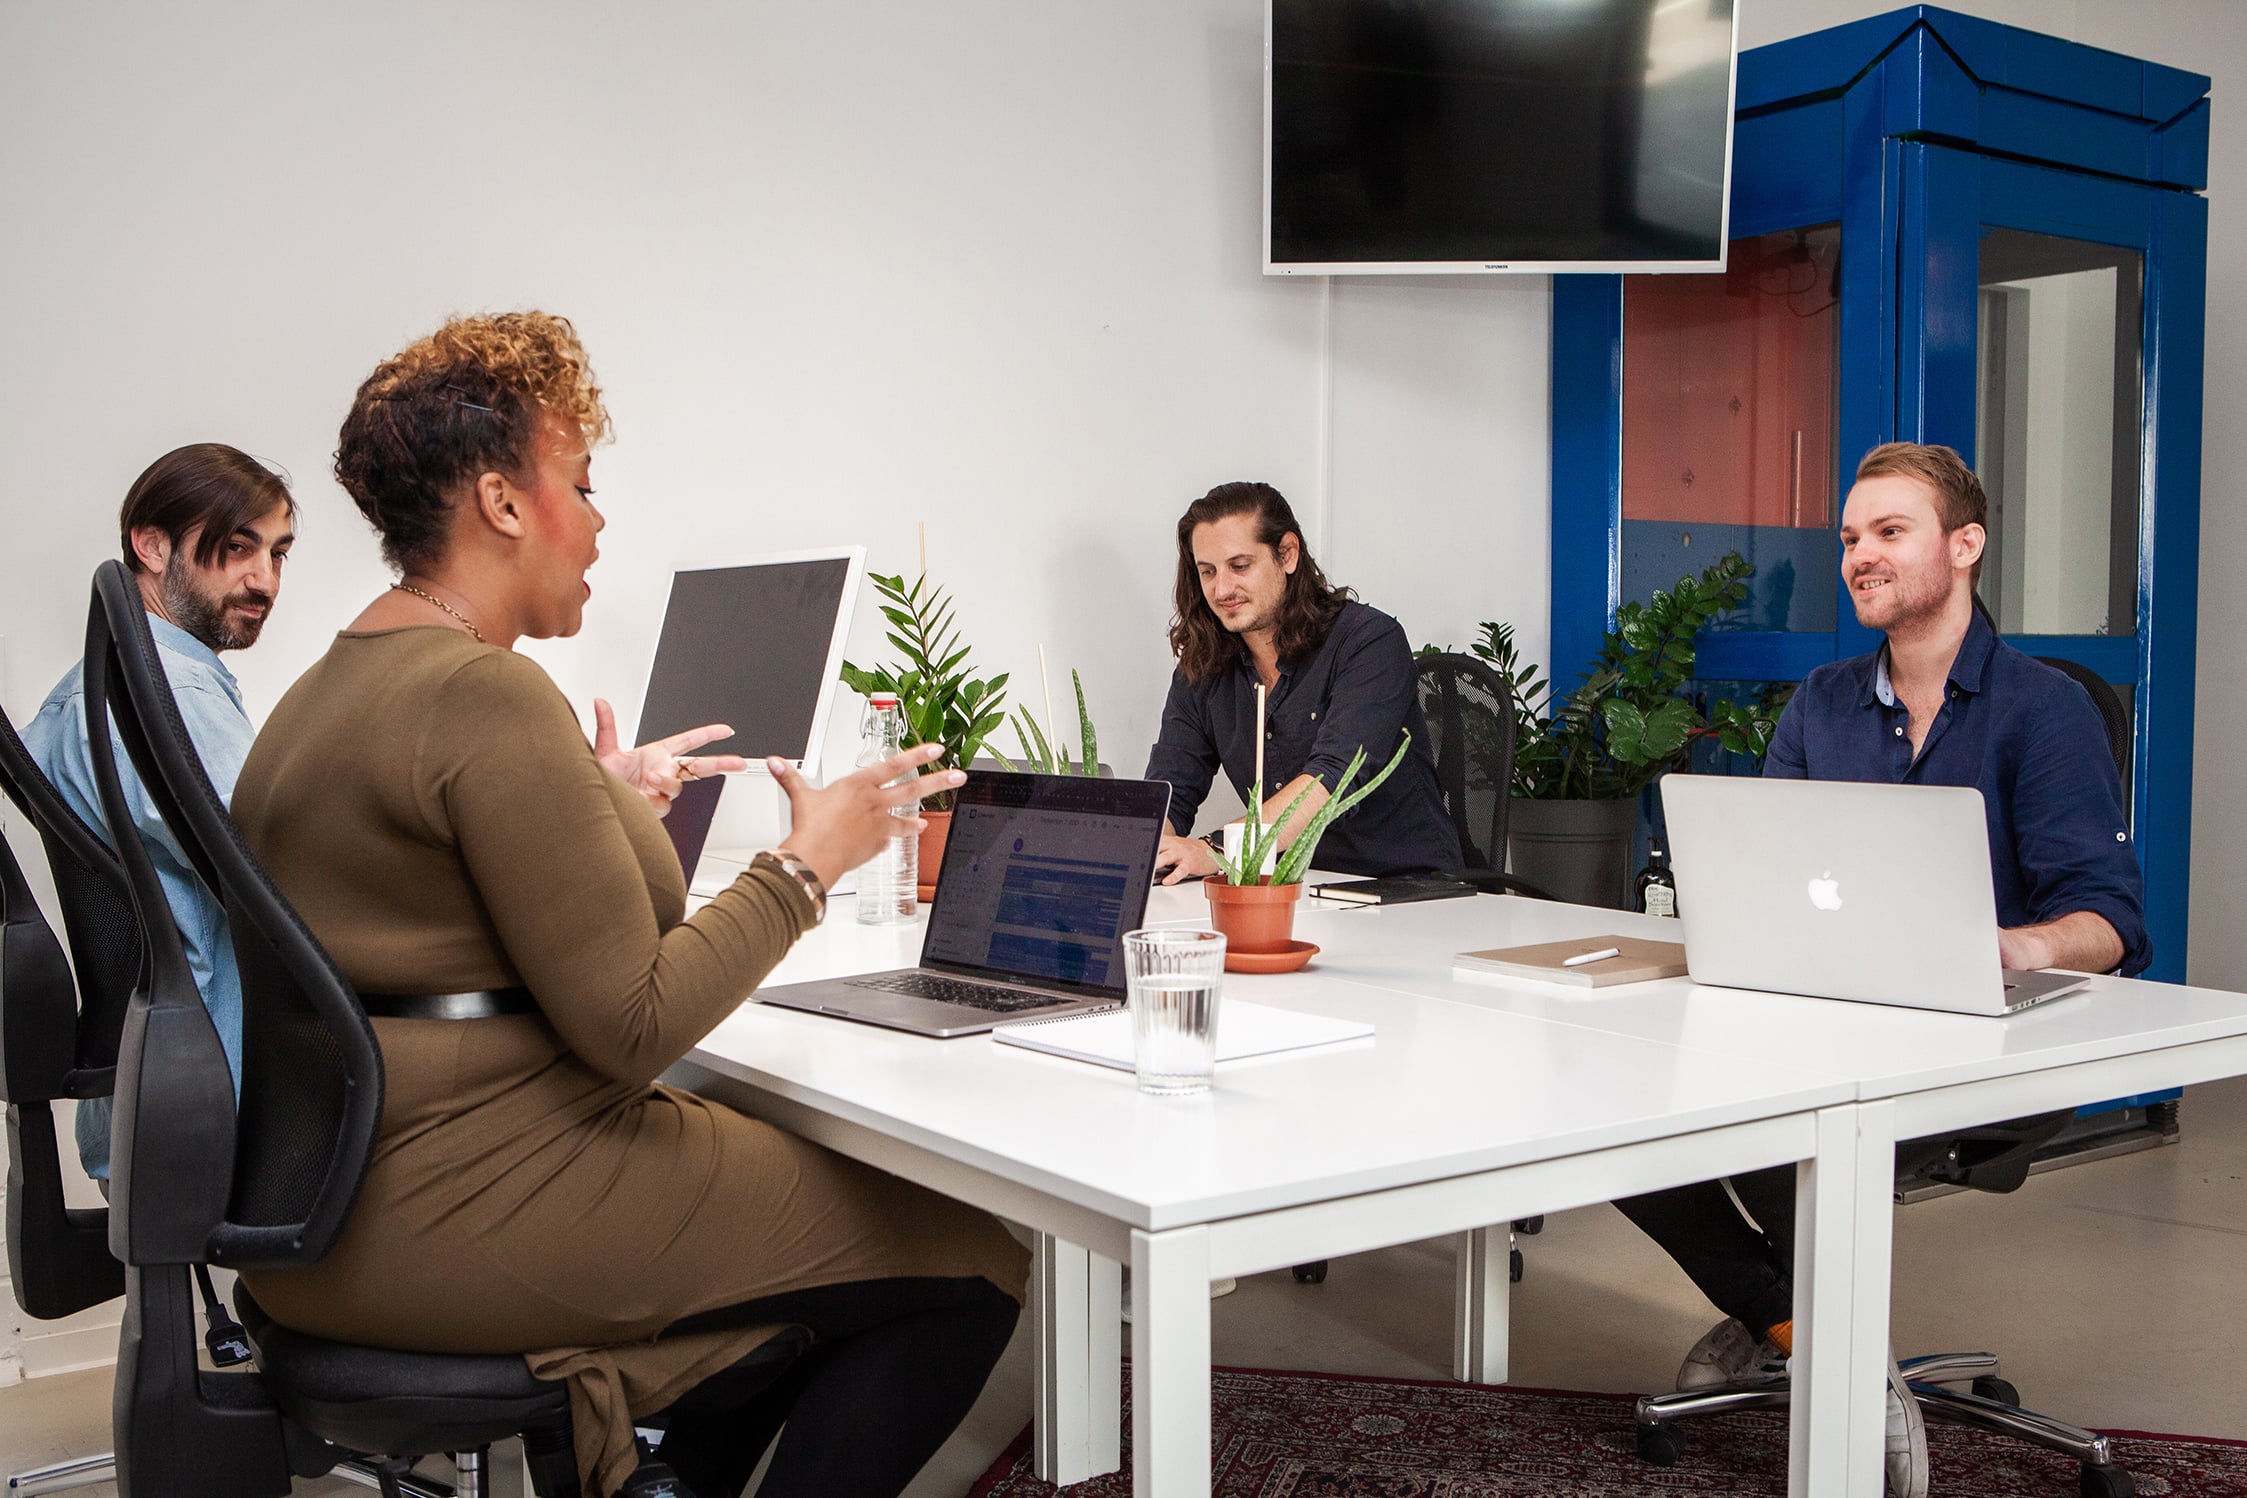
1878, 893
1043, 874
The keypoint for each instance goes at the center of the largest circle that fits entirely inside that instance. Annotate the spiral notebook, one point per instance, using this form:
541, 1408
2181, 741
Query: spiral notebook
1243, 1030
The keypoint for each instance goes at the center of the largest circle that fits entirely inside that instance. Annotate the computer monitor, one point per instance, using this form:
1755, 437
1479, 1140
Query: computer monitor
756, 645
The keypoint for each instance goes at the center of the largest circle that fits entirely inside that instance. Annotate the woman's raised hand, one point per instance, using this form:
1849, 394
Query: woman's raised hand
835, 829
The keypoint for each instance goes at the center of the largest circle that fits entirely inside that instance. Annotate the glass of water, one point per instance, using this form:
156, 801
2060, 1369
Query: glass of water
1175, 977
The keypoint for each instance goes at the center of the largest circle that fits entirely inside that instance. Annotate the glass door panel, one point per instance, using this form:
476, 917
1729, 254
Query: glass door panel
2059, 401
1730, 402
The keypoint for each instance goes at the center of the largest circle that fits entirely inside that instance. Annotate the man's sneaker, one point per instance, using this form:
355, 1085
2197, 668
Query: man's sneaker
1727, 1355
1907, 1439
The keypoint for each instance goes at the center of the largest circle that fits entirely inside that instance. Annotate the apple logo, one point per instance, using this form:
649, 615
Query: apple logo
1825, 892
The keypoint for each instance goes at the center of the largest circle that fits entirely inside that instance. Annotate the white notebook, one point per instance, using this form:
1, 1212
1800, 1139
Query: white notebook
1243, 1030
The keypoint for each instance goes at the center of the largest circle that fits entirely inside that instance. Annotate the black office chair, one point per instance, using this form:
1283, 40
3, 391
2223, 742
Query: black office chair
2121, 733
1471, 734
59, 1030
189, 1187
1996, 1158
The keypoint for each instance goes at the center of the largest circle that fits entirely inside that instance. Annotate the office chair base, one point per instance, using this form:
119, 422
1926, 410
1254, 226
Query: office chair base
58, 1477
359, 1471
1992, 1406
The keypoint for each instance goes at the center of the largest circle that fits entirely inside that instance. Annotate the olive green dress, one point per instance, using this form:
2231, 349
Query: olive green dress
432, 809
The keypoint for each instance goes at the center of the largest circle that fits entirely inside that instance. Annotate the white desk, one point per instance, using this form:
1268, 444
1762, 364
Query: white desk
1453, 1117
1914, 1073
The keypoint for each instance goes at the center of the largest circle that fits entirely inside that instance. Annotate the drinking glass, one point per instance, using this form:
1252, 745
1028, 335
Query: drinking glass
1174, 977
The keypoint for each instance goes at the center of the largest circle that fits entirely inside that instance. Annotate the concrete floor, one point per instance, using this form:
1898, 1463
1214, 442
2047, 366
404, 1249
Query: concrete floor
2114, 1292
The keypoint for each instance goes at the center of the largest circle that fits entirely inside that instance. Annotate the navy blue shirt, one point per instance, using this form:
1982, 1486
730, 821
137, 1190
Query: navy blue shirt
2025, 736
1358, 689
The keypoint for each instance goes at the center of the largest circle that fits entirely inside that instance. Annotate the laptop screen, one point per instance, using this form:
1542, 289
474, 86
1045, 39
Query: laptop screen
1043, 874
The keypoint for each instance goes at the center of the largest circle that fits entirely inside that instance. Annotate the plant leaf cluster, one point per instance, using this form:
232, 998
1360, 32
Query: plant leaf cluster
1630, 720
1241, 868
938, 699
1042, 758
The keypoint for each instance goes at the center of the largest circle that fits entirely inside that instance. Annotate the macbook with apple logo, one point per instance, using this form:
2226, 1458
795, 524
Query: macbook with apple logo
1841, 890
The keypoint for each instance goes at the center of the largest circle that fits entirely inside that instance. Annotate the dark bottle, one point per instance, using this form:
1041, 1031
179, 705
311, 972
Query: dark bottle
1656, 890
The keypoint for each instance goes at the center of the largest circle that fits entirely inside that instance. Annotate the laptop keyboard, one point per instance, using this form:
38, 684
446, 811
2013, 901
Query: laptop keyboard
953, 991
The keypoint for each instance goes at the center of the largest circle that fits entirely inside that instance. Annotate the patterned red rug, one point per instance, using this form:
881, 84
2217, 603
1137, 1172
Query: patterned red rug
1315, 1435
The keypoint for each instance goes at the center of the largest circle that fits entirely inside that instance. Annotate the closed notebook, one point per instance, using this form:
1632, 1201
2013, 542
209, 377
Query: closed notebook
1637, 960
1243, 1030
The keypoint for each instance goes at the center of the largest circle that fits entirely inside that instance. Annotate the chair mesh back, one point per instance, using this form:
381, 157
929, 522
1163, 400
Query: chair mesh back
1471, 730
311, 1096
97, 912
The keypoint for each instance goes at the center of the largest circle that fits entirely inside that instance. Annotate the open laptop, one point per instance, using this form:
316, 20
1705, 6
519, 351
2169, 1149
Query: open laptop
1877, 893
1042, 876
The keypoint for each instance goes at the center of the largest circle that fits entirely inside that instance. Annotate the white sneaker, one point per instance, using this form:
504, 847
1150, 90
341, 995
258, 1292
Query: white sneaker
1728, 1354
1907, 1439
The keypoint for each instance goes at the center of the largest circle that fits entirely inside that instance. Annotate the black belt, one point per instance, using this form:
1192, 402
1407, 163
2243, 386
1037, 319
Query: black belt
484, 1003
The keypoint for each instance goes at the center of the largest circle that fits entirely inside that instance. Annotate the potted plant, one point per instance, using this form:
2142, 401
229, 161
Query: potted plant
1582, 760
1043, 757
1257, 911
940, 702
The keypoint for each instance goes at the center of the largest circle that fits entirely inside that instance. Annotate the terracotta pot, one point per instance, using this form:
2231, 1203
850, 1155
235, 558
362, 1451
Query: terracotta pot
931, 854
1254, 917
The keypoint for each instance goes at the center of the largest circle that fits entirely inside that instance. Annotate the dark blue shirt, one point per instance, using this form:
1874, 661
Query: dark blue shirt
1358, 689
2025, 736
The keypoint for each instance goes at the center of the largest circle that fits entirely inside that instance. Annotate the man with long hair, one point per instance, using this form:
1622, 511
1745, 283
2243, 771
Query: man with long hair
1254, 609
205, 529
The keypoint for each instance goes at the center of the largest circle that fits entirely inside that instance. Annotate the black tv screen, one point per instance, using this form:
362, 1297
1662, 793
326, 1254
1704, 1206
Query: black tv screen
1497, 135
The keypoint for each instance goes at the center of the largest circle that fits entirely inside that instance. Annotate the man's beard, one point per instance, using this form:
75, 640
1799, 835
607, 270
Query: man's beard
1911, 601
209, 619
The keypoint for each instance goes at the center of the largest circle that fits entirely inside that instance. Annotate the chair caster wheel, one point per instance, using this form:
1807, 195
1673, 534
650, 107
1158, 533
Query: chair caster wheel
1311, 1274
1530, 1226
1661, 1444
1993, 1387
2107, 1482
1513, 1265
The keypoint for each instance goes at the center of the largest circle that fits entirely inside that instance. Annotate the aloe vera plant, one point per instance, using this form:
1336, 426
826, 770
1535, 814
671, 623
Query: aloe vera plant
942, 704
1241, 867
1043, 758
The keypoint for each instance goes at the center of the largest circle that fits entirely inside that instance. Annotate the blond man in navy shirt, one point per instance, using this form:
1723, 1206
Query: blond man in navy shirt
1942, 702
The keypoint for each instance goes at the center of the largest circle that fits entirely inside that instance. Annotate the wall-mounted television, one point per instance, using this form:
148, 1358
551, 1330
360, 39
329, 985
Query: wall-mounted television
1417, 137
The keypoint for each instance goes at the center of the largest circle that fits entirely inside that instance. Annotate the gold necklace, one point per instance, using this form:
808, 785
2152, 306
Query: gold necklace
448, 608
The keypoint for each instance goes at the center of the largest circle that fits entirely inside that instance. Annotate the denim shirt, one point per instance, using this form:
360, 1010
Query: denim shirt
210, 704
2025, 736
1358, 689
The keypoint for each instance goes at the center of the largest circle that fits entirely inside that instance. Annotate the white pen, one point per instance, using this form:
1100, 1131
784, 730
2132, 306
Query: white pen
1599, 956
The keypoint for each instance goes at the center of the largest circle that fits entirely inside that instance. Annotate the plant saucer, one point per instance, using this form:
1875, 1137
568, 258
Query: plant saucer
1286, 960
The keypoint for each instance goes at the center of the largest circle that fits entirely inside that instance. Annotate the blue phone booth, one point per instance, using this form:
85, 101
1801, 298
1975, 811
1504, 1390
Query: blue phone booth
1942, 230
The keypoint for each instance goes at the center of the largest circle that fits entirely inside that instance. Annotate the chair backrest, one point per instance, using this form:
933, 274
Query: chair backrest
186, 1184
2112, 713
1471, 731
58, 1038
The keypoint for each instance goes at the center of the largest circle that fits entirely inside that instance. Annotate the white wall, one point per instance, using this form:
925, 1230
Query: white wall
842, 269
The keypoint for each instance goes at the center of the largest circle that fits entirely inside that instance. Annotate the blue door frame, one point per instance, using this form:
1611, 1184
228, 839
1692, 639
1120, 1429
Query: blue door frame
1914, 131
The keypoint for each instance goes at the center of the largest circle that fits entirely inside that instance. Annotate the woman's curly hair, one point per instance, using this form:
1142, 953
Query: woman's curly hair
471, 398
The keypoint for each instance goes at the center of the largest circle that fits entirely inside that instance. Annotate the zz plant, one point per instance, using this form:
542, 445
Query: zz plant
941, 703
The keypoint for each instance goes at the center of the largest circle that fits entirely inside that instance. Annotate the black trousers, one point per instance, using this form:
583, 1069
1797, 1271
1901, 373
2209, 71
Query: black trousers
893, 1368
1745, 1268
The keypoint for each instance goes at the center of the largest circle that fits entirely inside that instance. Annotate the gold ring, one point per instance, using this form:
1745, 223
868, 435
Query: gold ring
687, 770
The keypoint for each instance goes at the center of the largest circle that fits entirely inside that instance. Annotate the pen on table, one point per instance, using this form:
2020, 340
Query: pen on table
1599, 956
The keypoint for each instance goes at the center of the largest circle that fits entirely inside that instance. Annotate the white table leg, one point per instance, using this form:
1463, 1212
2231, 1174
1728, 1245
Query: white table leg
1481, 1305
1104, 1377
1076, 1301
1847, 1186
1170, 1363
1870, 1274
